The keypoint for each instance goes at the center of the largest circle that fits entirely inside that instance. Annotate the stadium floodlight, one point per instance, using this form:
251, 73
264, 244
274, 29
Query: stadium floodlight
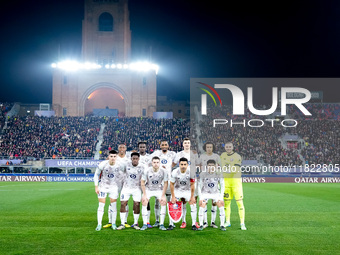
88, 65
70, 65
144, 66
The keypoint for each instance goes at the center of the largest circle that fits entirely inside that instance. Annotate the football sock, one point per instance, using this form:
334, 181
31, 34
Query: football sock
110, 214
227, 203
201, 213
127, 213
213, 213
145, 215
184, 212
241, 212
113, 206
163, 212
157, 205
122, 217
193, 213
205, 215
149, 212
222, 216
135, 219
100, 213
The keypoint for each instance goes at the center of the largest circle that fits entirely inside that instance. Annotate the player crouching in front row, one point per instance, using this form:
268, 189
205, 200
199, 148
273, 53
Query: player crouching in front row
182, 186
132, 187
154, 183
208, 189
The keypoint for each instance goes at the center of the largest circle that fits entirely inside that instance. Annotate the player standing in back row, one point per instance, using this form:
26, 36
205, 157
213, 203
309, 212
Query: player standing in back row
192, 161
166, 159
209, 154
232, 183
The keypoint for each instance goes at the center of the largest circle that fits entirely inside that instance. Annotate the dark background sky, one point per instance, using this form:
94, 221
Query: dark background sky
188, 39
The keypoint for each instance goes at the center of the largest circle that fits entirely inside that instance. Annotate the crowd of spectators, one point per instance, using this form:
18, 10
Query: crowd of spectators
322, 141
4, 109
44, 137
319, 111
320, 133
132, 130
58, 137
262, 144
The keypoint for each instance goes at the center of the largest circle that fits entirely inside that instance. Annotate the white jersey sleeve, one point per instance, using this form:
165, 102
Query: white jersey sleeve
173, 176
98, 172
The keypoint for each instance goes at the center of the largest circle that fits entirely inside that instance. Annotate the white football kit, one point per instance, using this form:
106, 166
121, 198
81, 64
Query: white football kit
144, 159
107, 177
121, 178
154, 182
182, 182
211, 186
166, 160
132, 183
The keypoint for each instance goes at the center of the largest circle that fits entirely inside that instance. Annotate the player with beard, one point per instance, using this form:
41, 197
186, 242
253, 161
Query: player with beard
166, 159
182, 186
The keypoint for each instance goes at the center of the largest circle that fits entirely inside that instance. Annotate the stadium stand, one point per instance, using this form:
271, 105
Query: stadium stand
132, 130
314, 140
320, 135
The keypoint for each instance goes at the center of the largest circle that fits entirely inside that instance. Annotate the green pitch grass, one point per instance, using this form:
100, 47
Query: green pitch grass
60, 218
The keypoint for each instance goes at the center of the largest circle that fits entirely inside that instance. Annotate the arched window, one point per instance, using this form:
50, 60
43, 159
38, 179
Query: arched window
105, 22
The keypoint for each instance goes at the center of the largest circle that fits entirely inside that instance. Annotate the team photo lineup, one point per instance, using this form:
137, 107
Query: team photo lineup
173, 179
164, 127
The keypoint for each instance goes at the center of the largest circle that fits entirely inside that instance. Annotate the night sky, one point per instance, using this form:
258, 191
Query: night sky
188, 39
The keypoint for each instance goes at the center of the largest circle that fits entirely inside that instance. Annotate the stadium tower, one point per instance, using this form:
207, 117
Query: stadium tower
105, 82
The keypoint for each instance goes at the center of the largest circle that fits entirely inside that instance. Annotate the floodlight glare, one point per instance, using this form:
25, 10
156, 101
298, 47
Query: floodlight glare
70, 65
